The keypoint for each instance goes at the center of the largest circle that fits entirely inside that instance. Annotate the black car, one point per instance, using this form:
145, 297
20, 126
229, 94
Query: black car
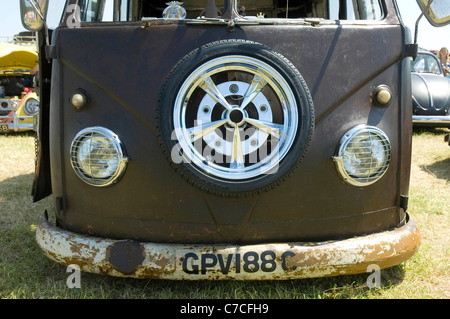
430, 91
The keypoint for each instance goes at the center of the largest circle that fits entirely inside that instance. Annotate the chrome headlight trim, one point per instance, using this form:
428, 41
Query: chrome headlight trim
235, 169
31, 106
364, 155
4, 104
97, 156
14, 105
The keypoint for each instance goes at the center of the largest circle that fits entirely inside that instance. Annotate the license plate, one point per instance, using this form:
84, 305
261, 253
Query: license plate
4, 128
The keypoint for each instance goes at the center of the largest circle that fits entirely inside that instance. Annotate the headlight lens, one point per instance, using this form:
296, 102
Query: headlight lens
14, 105
97, 156
364, 155
31, 107
4, 104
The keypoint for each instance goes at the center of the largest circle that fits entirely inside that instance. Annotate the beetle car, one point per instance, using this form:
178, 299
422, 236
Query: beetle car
225, 139
430, 91
19, 103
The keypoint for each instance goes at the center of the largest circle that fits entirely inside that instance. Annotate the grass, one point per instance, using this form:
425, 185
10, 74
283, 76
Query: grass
25, 273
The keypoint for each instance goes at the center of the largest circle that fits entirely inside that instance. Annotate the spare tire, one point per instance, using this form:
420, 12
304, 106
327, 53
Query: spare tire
235, 117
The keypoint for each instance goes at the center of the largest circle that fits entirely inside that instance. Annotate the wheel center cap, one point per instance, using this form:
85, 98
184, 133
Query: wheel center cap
236, 116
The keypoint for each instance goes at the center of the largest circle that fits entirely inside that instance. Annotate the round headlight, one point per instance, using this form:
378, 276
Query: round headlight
31, 107
4, 104
14, 105
97, 156
364, 155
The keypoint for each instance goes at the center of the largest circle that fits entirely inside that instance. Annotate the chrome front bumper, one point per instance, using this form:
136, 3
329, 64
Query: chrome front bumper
271, 261
13, 123
443, 120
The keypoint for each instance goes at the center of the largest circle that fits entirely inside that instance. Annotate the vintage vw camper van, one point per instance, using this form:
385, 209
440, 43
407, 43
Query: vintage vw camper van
232, 139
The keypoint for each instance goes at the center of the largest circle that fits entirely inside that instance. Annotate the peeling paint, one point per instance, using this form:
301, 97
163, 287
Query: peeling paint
127, 258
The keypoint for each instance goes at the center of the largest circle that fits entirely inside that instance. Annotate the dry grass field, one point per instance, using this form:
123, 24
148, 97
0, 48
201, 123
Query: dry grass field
25, 273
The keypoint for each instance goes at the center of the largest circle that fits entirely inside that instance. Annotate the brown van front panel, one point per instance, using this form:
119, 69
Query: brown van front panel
122, 69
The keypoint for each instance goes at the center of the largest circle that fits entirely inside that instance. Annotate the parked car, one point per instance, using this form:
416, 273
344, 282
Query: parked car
19, 103
430, 91
225, 139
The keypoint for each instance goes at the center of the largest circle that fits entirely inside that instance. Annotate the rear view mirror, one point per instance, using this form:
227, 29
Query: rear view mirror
438, 14
33, 13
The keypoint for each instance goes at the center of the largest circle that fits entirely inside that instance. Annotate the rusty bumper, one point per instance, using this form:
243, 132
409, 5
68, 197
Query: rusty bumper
128, 258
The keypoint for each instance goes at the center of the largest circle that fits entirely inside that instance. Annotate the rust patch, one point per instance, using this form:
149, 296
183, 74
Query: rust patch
160, 260
126, 256
77, 247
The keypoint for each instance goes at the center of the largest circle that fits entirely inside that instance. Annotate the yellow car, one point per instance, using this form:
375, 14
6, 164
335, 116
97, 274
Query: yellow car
19, 103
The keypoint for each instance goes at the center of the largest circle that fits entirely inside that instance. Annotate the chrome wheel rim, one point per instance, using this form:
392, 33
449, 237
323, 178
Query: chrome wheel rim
235, 117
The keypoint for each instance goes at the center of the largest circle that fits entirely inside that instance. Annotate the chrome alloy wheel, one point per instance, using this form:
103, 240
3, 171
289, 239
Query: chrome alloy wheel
235, 117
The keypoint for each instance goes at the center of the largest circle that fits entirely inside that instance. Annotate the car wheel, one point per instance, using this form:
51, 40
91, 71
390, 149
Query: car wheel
235, 117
